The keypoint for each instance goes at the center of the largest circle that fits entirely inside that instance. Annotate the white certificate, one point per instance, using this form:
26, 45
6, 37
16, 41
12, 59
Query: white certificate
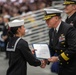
42, 51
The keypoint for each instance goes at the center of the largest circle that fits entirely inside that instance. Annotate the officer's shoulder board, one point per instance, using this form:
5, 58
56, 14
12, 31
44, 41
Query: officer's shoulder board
13, 49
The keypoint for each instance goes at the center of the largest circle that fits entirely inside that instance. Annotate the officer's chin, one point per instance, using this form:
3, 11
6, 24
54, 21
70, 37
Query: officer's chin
66, 11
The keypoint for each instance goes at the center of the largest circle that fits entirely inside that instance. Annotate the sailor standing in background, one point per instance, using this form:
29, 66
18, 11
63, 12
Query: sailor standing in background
5, 37
19, 52
70, 10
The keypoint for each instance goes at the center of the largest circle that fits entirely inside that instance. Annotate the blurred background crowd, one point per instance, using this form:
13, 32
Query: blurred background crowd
18, 7
12, 8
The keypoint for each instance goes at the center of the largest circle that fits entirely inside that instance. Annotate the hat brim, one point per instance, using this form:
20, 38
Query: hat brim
68, 3
47, 17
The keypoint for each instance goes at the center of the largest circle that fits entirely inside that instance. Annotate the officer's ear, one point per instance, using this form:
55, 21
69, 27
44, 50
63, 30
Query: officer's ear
74, 7
56, 18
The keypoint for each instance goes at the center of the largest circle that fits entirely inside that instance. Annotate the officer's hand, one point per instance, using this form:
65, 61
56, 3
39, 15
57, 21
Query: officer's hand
53, 59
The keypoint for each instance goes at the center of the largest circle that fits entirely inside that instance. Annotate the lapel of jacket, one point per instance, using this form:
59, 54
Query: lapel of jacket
69, 20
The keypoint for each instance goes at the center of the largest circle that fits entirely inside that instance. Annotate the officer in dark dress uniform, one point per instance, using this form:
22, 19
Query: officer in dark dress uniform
62, 42
19, 52
70, 10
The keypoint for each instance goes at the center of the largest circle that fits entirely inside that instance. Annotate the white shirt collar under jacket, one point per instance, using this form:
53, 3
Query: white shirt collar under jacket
57, 28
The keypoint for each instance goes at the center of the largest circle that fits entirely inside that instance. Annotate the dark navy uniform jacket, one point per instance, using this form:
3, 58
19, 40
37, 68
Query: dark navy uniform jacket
19, 55
64, 45
72, 20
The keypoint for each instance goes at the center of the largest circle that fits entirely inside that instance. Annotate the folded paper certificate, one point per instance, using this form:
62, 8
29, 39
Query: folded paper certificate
42, 51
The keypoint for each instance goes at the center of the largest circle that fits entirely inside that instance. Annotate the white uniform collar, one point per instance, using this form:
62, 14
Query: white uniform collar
57, 28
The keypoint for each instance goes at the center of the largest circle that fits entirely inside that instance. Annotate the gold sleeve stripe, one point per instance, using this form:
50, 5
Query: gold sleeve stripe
64, 56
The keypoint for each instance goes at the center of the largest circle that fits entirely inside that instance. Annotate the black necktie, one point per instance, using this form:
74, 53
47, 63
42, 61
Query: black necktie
54, 37
67, 19
55, 32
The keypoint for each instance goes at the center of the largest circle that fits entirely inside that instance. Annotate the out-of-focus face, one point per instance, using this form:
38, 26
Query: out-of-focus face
69, 8
51, 22
6, 20
1, 19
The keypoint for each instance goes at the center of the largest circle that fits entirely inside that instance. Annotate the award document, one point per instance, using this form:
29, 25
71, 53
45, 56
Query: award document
42, 51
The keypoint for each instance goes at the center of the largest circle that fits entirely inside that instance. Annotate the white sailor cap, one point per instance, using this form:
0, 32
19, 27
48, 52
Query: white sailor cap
16, 23
49, 13
6, 16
